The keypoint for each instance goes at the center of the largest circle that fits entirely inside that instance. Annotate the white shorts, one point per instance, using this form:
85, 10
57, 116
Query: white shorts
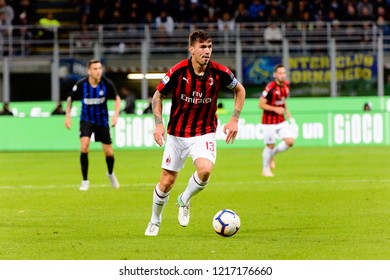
177, 149
271, 132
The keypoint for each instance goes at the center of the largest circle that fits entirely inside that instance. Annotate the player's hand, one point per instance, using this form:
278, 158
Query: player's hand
68, 122
231, 130
279, 110
288, 115
159, 134
114, 120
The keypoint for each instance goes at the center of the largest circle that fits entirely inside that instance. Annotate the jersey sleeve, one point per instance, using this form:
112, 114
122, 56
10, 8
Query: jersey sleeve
167, 83
111, 90
228, 79
267, 92
76, 91
288, 88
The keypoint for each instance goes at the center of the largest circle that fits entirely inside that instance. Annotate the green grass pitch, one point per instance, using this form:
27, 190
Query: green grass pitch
324, 203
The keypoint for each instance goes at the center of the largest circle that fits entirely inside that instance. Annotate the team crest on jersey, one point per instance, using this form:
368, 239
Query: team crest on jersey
168, 160
165, 80
211, 81
101, 92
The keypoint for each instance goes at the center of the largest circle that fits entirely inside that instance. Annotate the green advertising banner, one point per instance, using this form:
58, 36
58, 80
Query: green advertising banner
319, 122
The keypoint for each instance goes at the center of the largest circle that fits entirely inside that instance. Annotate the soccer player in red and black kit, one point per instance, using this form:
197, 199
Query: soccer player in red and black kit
273, 102
94, 91
194, 84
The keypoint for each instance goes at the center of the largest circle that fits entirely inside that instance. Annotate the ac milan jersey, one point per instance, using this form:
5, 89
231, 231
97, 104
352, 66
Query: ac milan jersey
276, 95
94, 100
194, 97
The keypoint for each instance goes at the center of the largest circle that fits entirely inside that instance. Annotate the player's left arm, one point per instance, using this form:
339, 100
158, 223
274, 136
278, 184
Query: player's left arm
68, 119
231, 128
287, 112
117, 107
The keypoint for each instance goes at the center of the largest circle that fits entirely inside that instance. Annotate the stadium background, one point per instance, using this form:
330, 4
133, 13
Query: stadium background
330, 49
328, 200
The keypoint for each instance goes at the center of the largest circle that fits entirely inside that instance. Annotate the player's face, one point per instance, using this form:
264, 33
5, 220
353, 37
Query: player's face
201, 52
280, 75
95, 71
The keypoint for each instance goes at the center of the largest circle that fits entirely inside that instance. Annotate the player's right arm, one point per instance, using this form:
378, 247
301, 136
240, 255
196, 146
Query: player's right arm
159, 131
68, 119
76, 92
263, 104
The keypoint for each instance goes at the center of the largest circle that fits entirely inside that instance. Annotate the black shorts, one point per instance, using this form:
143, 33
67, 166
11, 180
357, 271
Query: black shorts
102, 133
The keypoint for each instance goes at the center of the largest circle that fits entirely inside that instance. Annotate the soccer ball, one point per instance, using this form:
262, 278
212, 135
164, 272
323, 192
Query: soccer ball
226, 223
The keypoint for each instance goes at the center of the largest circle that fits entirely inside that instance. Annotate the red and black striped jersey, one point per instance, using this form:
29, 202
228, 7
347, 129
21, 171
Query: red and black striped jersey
194, 97
276, 95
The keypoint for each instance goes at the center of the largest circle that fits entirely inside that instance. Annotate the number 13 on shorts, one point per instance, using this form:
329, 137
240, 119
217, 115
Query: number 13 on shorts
210, 146
210, 151
205, 146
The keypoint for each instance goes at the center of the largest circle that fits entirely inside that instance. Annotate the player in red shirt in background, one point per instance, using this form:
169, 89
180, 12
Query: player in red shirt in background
194, 84
275, 112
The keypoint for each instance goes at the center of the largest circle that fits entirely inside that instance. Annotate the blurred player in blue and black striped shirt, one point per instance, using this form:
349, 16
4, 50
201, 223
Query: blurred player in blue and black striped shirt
94, 91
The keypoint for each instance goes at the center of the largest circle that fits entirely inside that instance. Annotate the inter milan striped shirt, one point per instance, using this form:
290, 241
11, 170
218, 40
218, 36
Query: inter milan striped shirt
194, 97
94, 100
276, 95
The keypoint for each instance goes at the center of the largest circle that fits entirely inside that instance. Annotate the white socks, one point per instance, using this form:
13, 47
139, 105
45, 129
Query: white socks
267, 155
159, 200
195, 185
270, 153
281, 147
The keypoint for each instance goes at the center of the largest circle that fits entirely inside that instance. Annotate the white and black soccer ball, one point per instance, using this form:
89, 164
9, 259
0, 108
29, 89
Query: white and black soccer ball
226, 222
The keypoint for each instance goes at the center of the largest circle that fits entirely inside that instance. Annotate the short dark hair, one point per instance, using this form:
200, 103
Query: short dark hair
198, 35
277, 66
93, 61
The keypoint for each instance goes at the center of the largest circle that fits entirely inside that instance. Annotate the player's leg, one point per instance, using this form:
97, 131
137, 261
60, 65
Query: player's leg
109, 153
272, 163
172, 161
286, 135
204, 155
283, 145
267, 159
86, 131
160, 199
84, 149
102, 134
197, 182
161, 194
203, 151
269, 141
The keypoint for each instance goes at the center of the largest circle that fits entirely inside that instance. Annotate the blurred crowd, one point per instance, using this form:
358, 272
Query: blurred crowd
168, 12
191, 11
17, 12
